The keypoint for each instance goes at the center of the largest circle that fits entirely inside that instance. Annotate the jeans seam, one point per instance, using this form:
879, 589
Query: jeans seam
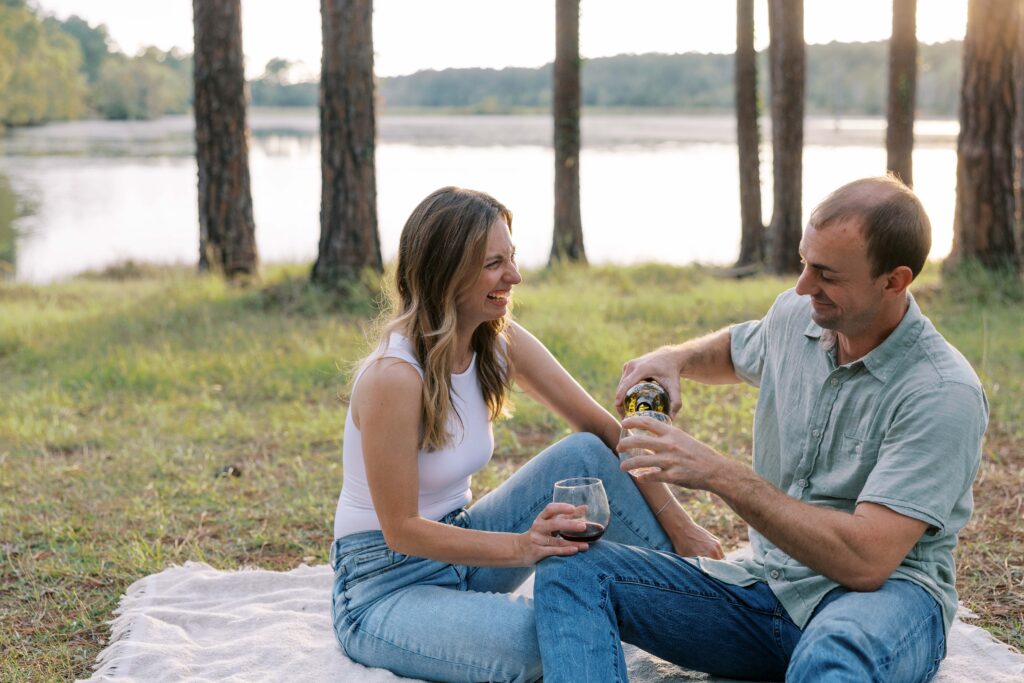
615, 637
778, 615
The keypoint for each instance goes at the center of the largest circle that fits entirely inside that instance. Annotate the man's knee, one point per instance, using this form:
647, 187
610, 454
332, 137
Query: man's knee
895, 633
556, 571
833, 647
847, 650
570, 573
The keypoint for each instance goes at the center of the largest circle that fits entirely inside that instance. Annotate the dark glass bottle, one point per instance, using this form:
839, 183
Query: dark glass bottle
646, 396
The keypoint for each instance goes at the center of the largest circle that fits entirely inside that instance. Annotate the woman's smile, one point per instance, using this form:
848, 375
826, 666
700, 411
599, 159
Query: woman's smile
500, 297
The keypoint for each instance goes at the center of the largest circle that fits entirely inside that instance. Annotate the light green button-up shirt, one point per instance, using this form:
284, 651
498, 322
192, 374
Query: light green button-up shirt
900, 427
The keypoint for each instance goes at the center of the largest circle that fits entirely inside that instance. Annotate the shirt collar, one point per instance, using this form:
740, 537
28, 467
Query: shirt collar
883, 360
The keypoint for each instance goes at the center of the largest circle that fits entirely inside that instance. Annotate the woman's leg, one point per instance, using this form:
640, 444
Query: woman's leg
414, 617
442, 634
514, 505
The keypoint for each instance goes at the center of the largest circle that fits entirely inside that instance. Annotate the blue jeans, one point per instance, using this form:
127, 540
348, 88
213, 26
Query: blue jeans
446, 622
665, 604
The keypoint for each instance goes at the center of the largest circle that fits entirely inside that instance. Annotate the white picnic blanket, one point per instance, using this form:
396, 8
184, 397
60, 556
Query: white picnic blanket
197, 623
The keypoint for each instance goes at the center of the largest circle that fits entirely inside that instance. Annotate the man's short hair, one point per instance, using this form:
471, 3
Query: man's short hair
893, 221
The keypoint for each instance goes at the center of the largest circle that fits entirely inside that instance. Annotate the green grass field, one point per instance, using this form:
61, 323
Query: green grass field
123, 399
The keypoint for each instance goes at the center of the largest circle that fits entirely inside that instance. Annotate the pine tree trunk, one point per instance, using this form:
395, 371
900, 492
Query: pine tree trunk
788, 67
349, 240
985, 224
748, 137
1018, 139
899, 132
227, 232
567, 242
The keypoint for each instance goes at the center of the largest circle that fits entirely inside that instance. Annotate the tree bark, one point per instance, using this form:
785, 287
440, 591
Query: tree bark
787, 58
567, 242
985, 224
748, 138
899, 131
349, 240
227, 232
1018, 138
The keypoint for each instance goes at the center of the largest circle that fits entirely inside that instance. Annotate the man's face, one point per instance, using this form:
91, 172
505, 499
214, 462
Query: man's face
837, 277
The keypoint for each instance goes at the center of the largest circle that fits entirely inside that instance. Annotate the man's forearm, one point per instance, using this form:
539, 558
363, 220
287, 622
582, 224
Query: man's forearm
825, 540
707, 359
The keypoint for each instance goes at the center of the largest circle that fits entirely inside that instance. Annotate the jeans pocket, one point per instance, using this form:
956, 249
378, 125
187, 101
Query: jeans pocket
361, 565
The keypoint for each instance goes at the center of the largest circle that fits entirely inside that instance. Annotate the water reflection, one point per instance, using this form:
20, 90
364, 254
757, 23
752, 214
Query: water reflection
654, 188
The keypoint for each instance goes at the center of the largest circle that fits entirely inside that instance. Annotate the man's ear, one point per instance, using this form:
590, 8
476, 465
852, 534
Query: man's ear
897, 281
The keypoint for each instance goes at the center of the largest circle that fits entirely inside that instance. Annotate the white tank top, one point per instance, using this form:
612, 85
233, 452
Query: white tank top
444, 474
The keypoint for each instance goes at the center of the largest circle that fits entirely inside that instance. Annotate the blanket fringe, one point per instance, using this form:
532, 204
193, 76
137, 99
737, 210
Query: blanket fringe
121, 628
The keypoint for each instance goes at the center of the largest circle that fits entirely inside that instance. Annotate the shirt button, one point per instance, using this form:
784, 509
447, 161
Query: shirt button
816, 433
774, 573
802, 483
835, 382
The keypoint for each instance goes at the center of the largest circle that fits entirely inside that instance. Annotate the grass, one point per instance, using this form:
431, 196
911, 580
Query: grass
127, 396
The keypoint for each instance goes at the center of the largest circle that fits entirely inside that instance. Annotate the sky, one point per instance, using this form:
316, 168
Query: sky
410, 35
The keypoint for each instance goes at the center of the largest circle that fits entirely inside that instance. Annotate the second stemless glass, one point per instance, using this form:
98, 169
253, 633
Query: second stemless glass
634, 452
588, 496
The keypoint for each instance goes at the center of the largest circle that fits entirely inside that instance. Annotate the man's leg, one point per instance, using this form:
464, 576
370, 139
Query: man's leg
893, 634
665, 605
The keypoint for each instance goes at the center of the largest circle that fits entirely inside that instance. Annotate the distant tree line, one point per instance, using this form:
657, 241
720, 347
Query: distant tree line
842, 79
276, 89
55, 70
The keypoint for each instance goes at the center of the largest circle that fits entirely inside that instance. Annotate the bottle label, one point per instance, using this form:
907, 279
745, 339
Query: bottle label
646, 396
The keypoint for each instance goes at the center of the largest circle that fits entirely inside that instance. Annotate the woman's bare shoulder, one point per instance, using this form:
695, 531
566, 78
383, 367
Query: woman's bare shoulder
387, 381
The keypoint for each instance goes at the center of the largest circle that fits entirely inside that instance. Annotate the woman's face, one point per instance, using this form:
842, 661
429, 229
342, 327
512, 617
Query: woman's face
488, 297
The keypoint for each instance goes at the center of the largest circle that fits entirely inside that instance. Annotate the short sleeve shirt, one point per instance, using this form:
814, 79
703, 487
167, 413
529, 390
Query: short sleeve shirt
900, 427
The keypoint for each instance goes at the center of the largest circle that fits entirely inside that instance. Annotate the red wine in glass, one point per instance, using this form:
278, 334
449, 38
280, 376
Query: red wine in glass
588, 496
593, 532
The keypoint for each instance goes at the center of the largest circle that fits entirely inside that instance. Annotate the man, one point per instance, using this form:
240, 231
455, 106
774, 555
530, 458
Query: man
867, 437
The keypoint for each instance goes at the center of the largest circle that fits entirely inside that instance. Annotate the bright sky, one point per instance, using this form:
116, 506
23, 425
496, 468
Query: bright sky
410, 35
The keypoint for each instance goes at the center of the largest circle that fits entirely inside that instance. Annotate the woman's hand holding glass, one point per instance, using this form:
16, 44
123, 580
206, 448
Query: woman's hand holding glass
544, 537
590, 503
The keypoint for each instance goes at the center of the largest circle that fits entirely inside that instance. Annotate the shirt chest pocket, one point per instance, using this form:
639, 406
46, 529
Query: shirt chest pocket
842, 469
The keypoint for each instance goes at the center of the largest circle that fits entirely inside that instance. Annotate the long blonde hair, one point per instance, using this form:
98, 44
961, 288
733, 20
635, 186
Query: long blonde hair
441, 251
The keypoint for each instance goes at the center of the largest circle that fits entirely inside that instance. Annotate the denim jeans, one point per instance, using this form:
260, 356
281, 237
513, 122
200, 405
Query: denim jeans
445, 622
665, 604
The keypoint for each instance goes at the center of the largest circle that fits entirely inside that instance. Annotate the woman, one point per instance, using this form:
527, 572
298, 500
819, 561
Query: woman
422, 584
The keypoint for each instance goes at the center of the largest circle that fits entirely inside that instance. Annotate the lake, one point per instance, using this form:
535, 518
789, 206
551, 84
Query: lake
84, 195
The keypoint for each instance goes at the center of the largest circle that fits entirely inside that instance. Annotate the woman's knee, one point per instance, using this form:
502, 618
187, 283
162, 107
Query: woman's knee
587, 453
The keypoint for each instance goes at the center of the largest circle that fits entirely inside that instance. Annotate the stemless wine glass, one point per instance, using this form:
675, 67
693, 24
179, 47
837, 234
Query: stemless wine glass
591, 502
634, 452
